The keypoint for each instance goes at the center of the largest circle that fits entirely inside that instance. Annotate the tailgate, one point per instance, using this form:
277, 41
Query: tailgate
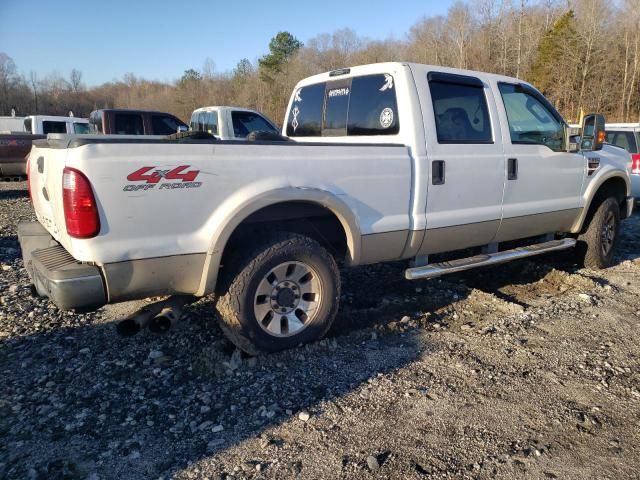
46, 165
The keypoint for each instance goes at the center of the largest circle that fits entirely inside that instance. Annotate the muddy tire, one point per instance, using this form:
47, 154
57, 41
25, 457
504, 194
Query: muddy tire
596, 245
278, 294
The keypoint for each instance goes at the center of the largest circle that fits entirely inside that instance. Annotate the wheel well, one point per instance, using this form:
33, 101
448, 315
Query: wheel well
613, 187
305, 218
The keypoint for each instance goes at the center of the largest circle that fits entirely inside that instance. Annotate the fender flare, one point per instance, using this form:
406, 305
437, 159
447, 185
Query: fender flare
242, 211
593, 189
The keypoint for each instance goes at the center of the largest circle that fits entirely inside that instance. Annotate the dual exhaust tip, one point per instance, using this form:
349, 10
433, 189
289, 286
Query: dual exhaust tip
159, 317
13, 179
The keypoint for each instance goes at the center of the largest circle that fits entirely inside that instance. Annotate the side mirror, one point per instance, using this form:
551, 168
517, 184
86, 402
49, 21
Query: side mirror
182, 128
593, 133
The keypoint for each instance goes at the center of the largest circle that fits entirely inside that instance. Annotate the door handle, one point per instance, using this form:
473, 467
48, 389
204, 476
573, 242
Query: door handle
437, 172
512, 169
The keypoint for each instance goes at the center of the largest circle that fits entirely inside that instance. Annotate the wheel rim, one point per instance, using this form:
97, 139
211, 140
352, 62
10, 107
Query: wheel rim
287, 299
608, 233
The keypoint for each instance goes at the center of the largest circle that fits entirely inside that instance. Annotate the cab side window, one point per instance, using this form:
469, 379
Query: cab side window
531, 121
624, 140
129, 124
165, 125
49, 126
460, 108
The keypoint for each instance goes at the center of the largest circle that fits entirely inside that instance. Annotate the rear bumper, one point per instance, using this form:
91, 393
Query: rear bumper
72, 284
13, 169
56, 274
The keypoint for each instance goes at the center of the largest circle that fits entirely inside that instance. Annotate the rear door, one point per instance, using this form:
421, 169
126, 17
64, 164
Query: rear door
466, 159
542, 192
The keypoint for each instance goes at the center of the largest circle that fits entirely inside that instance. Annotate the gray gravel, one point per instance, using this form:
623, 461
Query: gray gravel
527, 370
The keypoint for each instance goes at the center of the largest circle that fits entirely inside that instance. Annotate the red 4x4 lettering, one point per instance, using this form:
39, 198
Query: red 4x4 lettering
142, 175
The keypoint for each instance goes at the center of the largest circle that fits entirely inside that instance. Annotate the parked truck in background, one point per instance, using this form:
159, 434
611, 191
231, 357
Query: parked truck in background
46, 124
231, 123
16, 144
627, 136
387, 162
112, 121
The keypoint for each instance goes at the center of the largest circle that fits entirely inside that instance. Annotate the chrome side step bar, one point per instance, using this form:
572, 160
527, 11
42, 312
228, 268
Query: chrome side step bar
437, 269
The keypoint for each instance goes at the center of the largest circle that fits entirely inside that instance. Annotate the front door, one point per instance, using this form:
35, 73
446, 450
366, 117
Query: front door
542, 192
466, 159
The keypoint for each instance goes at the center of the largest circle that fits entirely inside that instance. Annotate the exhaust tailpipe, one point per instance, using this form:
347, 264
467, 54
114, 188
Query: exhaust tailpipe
167, 308
136, 322
170, 314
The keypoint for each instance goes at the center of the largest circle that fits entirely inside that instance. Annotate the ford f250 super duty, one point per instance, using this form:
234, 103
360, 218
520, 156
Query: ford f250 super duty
392, 161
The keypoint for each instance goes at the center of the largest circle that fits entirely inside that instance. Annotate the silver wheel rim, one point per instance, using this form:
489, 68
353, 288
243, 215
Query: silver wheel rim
608, 234
287, 299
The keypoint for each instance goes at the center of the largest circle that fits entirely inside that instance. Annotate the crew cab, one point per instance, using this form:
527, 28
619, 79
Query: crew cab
231, 123
442, 168
120, 121
45, 124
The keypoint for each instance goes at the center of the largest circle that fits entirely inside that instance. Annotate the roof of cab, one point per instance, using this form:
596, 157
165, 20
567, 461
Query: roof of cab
222, 107
389, 66
57, 118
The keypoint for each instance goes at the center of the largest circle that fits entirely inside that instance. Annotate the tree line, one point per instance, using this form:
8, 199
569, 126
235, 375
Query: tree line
583, 54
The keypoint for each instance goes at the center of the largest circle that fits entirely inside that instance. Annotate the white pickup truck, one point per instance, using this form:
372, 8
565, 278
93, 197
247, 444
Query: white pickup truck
392, 161
231, 123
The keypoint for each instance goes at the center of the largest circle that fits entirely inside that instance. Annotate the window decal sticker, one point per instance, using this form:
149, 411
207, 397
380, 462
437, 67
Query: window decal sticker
295, 112
388, 83
338, 92
386, 118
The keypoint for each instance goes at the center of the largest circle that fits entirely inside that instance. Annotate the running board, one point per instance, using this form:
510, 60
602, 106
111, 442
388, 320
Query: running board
438, 269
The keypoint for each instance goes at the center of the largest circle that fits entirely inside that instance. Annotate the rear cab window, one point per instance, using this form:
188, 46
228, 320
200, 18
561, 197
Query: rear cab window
204, 121
95, 121
623, 139
357, 106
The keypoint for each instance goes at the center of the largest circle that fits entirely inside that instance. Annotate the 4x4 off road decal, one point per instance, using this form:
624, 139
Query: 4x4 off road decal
170, 179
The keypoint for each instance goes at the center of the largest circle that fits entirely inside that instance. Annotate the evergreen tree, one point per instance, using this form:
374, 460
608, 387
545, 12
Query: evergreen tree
551, 56
281, 47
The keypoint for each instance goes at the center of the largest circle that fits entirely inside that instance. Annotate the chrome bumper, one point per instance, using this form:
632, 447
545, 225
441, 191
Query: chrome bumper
56, 274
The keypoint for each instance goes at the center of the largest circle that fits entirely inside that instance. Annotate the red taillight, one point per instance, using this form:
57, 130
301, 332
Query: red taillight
80, 211
635, 163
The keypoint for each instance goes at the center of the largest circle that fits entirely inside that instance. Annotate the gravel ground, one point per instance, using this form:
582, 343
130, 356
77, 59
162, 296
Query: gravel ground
527, 370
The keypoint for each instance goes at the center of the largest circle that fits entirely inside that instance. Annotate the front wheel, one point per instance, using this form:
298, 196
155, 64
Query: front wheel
281, 293
596, 245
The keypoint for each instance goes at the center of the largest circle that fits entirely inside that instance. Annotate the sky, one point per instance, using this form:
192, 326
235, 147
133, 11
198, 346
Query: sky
160, 39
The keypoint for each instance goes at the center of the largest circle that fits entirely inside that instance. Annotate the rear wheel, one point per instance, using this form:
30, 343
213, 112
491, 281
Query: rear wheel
596, 245
278, 294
